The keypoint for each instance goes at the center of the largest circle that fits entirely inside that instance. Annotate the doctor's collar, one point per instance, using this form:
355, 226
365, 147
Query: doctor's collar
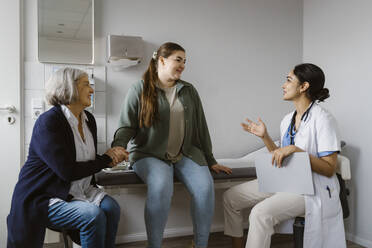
304, 116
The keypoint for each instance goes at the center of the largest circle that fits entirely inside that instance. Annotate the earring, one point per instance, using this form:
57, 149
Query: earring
154, 55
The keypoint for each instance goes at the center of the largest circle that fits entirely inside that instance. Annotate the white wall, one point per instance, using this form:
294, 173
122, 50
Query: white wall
238, 55
338, 37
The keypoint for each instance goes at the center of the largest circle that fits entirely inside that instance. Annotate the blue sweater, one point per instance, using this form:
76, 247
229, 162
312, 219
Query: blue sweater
50, 168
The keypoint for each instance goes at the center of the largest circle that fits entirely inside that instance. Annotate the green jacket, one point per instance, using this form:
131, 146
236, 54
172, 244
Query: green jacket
153, 141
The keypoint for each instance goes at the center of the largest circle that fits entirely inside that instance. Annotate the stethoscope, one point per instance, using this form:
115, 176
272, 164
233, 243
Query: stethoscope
291, 131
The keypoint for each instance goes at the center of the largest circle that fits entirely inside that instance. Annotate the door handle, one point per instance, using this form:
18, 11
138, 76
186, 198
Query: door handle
8, 108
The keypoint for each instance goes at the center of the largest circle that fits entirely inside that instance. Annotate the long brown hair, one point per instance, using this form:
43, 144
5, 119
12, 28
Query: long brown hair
149, 106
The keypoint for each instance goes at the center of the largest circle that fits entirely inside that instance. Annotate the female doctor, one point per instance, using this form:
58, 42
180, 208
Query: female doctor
311, 129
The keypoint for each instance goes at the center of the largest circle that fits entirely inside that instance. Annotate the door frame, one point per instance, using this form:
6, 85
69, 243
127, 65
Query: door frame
13, 66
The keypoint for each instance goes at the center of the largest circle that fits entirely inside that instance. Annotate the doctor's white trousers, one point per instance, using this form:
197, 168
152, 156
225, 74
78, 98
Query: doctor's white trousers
267, 211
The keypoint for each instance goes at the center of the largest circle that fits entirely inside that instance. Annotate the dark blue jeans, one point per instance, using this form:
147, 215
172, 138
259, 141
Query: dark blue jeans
97, 225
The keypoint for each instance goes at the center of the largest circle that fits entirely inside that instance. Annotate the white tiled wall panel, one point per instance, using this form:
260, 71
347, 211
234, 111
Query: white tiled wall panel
27, 146
29, 95
101, 130
100, 78
100, 104
34, 75
29, 125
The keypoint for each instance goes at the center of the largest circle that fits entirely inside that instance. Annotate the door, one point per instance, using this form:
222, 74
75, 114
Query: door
10, 92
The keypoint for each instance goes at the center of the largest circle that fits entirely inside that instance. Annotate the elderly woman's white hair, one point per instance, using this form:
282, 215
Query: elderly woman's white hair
61, 88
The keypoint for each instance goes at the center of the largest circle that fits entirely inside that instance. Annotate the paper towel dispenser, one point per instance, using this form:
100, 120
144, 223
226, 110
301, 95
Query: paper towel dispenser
124, 51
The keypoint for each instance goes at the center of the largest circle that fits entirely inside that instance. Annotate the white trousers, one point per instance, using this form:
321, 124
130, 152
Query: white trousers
267, 211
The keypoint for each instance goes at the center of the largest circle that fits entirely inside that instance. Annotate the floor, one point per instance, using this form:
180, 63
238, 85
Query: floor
219, 240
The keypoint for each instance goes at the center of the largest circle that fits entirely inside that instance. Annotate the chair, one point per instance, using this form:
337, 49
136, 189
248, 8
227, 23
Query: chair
65, 239
73, 234
343, 174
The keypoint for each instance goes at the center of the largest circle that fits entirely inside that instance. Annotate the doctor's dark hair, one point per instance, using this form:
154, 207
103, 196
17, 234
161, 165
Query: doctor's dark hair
149, 106
315, 77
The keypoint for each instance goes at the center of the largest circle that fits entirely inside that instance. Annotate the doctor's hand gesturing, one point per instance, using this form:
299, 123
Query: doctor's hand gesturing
258, 129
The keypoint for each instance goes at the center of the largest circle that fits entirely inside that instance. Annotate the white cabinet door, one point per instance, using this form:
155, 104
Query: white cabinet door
10, 92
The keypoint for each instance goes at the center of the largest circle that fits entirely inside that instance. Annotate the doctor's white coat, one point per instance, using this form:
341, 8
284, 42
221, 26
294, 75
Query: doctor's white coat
324, 226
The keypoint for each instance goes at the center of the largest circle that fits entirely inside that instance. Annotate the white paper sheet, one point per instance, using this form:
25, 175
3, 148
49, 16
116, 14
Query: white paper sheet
294, 176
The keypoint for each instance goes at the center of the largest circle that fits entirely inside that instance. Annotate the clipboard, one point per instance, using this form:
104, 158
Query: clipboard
294, 176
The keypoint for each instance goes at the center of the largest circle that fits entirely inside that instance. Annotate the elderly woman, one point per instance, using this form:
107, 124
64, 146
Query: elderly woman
55, 187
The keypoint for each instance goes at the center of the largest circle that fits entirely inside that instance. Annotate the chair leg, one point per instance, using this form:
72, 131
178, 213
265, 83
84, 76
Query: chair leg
298, 232
65, 239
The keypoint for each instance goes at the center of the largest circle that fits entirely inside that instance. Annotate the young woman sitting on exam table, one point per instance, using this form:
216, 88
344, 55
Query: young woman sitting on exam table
311, 129
163, 120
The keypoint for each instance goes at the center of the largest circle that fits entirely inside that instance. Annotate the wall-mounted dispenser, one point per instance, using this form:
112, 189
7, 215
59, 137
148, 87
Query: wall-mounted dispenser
124, 51
37, 107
